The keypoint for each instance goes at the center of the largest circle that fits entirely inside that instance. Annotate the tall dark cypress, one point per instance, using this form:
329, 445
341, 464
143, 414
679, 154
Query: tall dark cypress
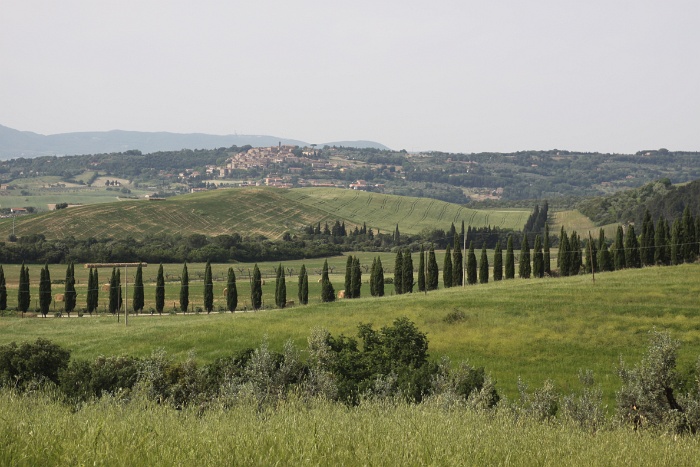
471, 265
648, 247
661, 253
300, 284
69, 293
278, 272
281, 288
677, 242
119, 290
256, 288
421, 270
160, 290
575, 253
3, 290
433, 271
23, 294
44, 290
565, 256
327, 290
407, 273
619, 252
184, 289
605, 260
208, 288
524, 268
373, 278
483, 266
113, 295
398, 273
447, 269
632, 257
561, 252
90, 286
356, 280
498, 262
232, 291
139, 298
305, 289
510, 259
546, 259
457, 263
95, 290
348, 277
538, 259
689, 245
379, 285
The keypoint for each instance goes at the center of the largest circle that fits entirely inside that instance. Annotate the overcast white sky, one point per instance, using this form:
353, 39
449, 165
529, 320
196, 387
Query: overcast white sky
595, 75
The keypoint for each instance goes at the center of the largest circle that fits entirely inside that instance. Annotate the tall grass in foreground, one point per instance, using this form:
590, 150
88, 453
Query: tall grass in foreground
36, 430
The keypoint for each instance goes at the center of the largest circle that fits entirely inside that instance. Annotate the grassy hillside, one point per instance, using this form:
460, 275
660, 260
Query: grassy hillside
535, 328
266, 211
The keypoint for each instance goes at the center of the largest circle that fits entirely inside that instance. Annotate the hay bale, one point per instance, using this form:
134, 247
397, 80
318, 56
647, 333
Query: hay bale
105, 287
262, 282
225, 292
341, 294
290, 303
58, 297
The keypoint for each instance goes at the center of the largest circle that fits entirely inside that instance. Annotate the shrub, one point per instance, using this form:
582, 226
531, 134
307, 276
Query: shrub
28, 364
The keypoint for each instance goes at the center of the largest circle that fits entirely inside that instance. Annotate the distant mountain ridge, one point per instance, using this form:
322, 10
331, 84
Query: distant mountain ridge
15, 143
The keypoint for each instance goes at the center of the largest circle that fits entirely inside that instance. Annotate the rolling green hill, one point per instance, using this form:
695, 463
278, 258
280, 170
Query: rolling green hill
266, 211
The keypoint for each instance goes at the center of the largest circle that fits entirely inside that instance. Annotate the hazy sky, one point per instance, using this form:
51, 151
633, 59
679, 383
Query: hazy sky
488, 75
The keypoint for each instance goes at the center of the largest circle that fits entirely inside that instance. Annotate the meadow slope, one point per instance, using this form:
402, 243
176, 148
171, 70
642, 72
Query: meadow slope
534, 328
265, 211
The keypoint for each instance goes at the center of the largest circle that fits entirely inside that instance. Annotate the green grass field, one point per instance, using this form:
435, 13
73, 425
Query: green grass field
574, 220
39, 431
535, 328
265, 211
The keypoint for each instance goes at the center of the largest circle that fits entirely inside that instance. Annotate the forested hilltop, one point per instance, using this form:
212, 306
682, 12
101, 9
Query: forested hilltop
458, 178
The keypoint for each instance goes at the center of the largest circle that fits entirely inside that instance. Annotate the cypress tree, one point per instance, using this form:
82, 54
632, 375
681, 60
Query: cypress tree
471, 265
661, 253
23, 294
379, 285
278, 272
484, 266
3, 290
90, 286
281, 288
564, 255
407, 273
421, 270
632, 257
538, 259
95, 290
591, 257
160, 290
356, 282
676, 242
113, 296
688, 248
348, 277
433, 271
44, 290
546, 260
575, 253
305, 289
524, 268
69, 294
208, 289
184, 289
327, 291
649, 244
119, 290
398, 273
562, 252
619, 253
397, 236
300, 285
498, 262
605, 260
510, 260
138, 300
457, 263
373, 278
232, 291
256, 289
447, 269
